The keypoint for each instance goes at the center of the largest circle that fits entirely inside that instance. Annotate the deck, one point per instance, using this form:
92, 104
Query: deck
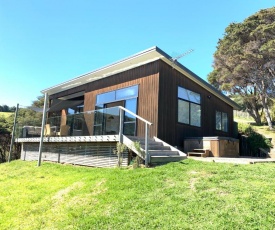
95, 151
85, 140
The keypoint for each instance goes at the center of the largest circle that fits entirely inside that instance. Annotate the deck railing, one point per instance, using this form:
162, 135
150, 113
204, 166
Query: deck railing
108, 121
96, 122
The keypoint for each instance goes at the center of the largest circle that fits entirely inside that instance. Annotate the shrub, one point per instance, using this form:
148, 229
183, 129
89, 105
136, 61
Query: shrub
254, 139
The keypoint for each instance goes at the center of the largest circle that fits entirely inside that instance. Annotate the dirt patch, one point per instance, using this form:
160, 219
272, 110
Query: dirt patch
192, 183
60, 195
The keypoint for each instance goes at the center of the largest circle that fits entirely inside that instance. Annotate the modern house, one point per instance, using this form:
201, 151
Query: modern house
145, 94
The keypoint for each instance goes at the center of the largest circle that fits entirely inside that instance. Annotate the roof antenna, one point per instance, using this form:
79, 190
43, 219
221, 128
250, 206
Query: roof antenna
180, 56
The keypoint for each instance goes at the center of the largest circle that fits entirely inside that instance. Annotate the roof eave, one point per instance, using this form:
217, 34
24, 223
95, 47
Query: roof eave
143, 57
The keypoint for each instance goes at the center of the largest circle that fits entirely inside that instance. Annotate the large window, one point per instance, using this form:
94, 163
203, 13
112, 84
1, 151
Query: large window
221, 121
126, 97
189, 108
117, 95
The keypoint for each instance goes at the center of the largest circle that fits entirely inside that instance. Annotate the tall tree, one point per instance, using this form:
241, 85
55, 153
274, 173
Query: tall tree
244, 62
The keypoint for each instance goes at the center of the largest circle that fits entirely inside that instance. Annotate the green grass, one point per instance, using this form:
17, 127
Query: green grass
183, 195
5, 114
243, 120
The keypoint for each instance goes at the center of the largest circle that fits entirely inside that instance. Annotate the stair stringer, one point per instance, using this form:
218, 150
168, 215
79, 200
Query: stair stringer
130, 145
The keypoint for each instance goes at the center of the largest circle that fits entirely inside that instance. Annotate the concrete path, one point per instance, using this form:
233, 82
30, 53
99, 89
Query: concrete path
240, 160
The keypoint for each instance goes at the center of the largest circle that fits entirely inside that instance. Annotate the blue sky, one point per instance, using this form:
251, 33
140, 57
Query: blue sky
44, 43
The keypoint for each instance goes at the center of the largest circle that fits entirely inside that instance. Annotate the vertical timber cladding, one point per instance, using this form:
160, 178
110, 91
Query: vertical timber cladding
147, 77
169, 129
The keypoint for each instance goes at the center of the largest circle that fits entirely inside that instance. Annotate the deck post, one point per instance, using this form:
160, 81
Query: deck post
13, 131
120, 125
146, 145
42, 129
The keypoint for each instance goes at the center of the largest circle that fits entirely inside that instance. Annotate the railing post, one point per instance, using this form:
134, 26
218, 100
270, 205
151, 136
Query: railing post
13, 132
42, 129
147, 157
120, 125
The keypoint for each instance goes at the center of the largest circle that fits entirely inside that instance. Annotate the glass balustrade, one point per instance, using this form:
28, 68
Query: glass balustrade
98, 122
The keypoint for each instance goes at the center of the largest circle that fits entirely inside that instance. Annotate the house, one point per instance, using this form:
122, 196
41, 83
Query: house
145, 94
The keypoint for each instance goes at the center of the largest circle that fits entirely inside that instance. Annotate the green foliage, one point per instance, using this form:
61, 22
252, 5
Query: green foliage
272, 110
245, 128
6, 124
255, 140
181, 195
29, 117
26, 116
244, 62
5, 108
39, 102
137, 146
137, 162
120, 148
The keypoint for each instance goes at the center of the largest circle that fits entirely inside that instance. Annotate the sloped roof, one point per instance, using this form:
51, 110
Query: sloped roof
133, 61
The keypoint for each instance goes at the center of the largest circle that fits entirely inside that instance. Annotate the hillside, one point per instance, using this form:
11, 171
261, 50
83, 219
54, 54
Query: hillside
5, 114
188, 194
260, 129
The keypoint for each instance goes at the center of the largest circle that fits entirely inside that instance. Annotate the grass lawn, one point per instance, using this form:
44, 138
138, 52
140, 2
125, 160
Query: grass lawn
182, 195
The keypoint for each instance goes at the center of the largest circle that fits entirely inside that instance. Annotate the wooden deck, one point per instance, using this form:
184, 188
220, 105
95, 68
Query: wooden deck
95, 151
101, 138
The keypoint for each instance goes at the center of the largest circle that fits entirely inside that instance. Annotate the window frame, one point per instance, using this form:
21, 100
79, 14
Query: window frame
190, 103
100, 98
223, 126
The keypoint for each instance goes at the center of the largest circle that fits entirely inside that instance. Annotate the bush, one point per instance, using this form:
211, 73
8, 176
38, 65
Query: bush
254, 139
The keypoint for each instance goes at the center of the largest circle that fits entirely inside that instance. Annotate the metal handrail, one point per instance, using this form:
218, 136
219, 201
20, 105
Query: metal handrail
147, 127
135, 115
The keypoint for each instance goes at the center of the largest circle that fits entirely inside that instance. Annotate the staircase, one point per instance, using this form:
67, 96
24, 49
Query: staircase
159, 151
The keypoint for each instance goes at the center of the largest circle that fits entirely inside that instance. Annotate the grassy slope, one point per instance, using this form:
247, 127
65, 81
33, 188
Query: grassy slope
5, 114
188, 194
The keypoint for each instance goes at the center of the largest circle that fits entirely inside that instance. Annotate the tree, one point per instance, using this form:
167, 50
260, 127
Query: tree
30, 115
26, 116
244, 62
39, 102
4, 108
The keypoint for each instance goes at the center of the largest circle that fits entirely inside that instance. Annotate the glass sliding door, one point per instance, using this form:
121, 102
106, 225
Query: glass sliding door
106, 120
111, 118
98, 120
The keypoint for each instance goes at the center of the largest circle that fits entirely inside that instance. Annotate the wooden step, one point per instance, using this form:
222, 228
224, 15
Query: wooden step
156, 147
199, 152
163, 153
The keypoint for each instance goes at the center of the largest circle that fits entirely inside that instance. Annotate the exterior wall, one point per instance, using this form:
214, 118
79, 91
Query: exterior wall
146, 76
169, 129
158, 102
88, 154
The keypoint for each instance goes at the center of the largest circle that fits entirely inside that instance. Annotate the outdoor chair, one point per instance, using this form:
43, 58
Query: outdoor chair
48, 131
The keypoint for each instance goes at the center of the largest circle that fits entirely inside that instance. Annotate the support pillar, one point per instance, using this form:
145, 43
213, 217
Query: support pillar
42, 128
